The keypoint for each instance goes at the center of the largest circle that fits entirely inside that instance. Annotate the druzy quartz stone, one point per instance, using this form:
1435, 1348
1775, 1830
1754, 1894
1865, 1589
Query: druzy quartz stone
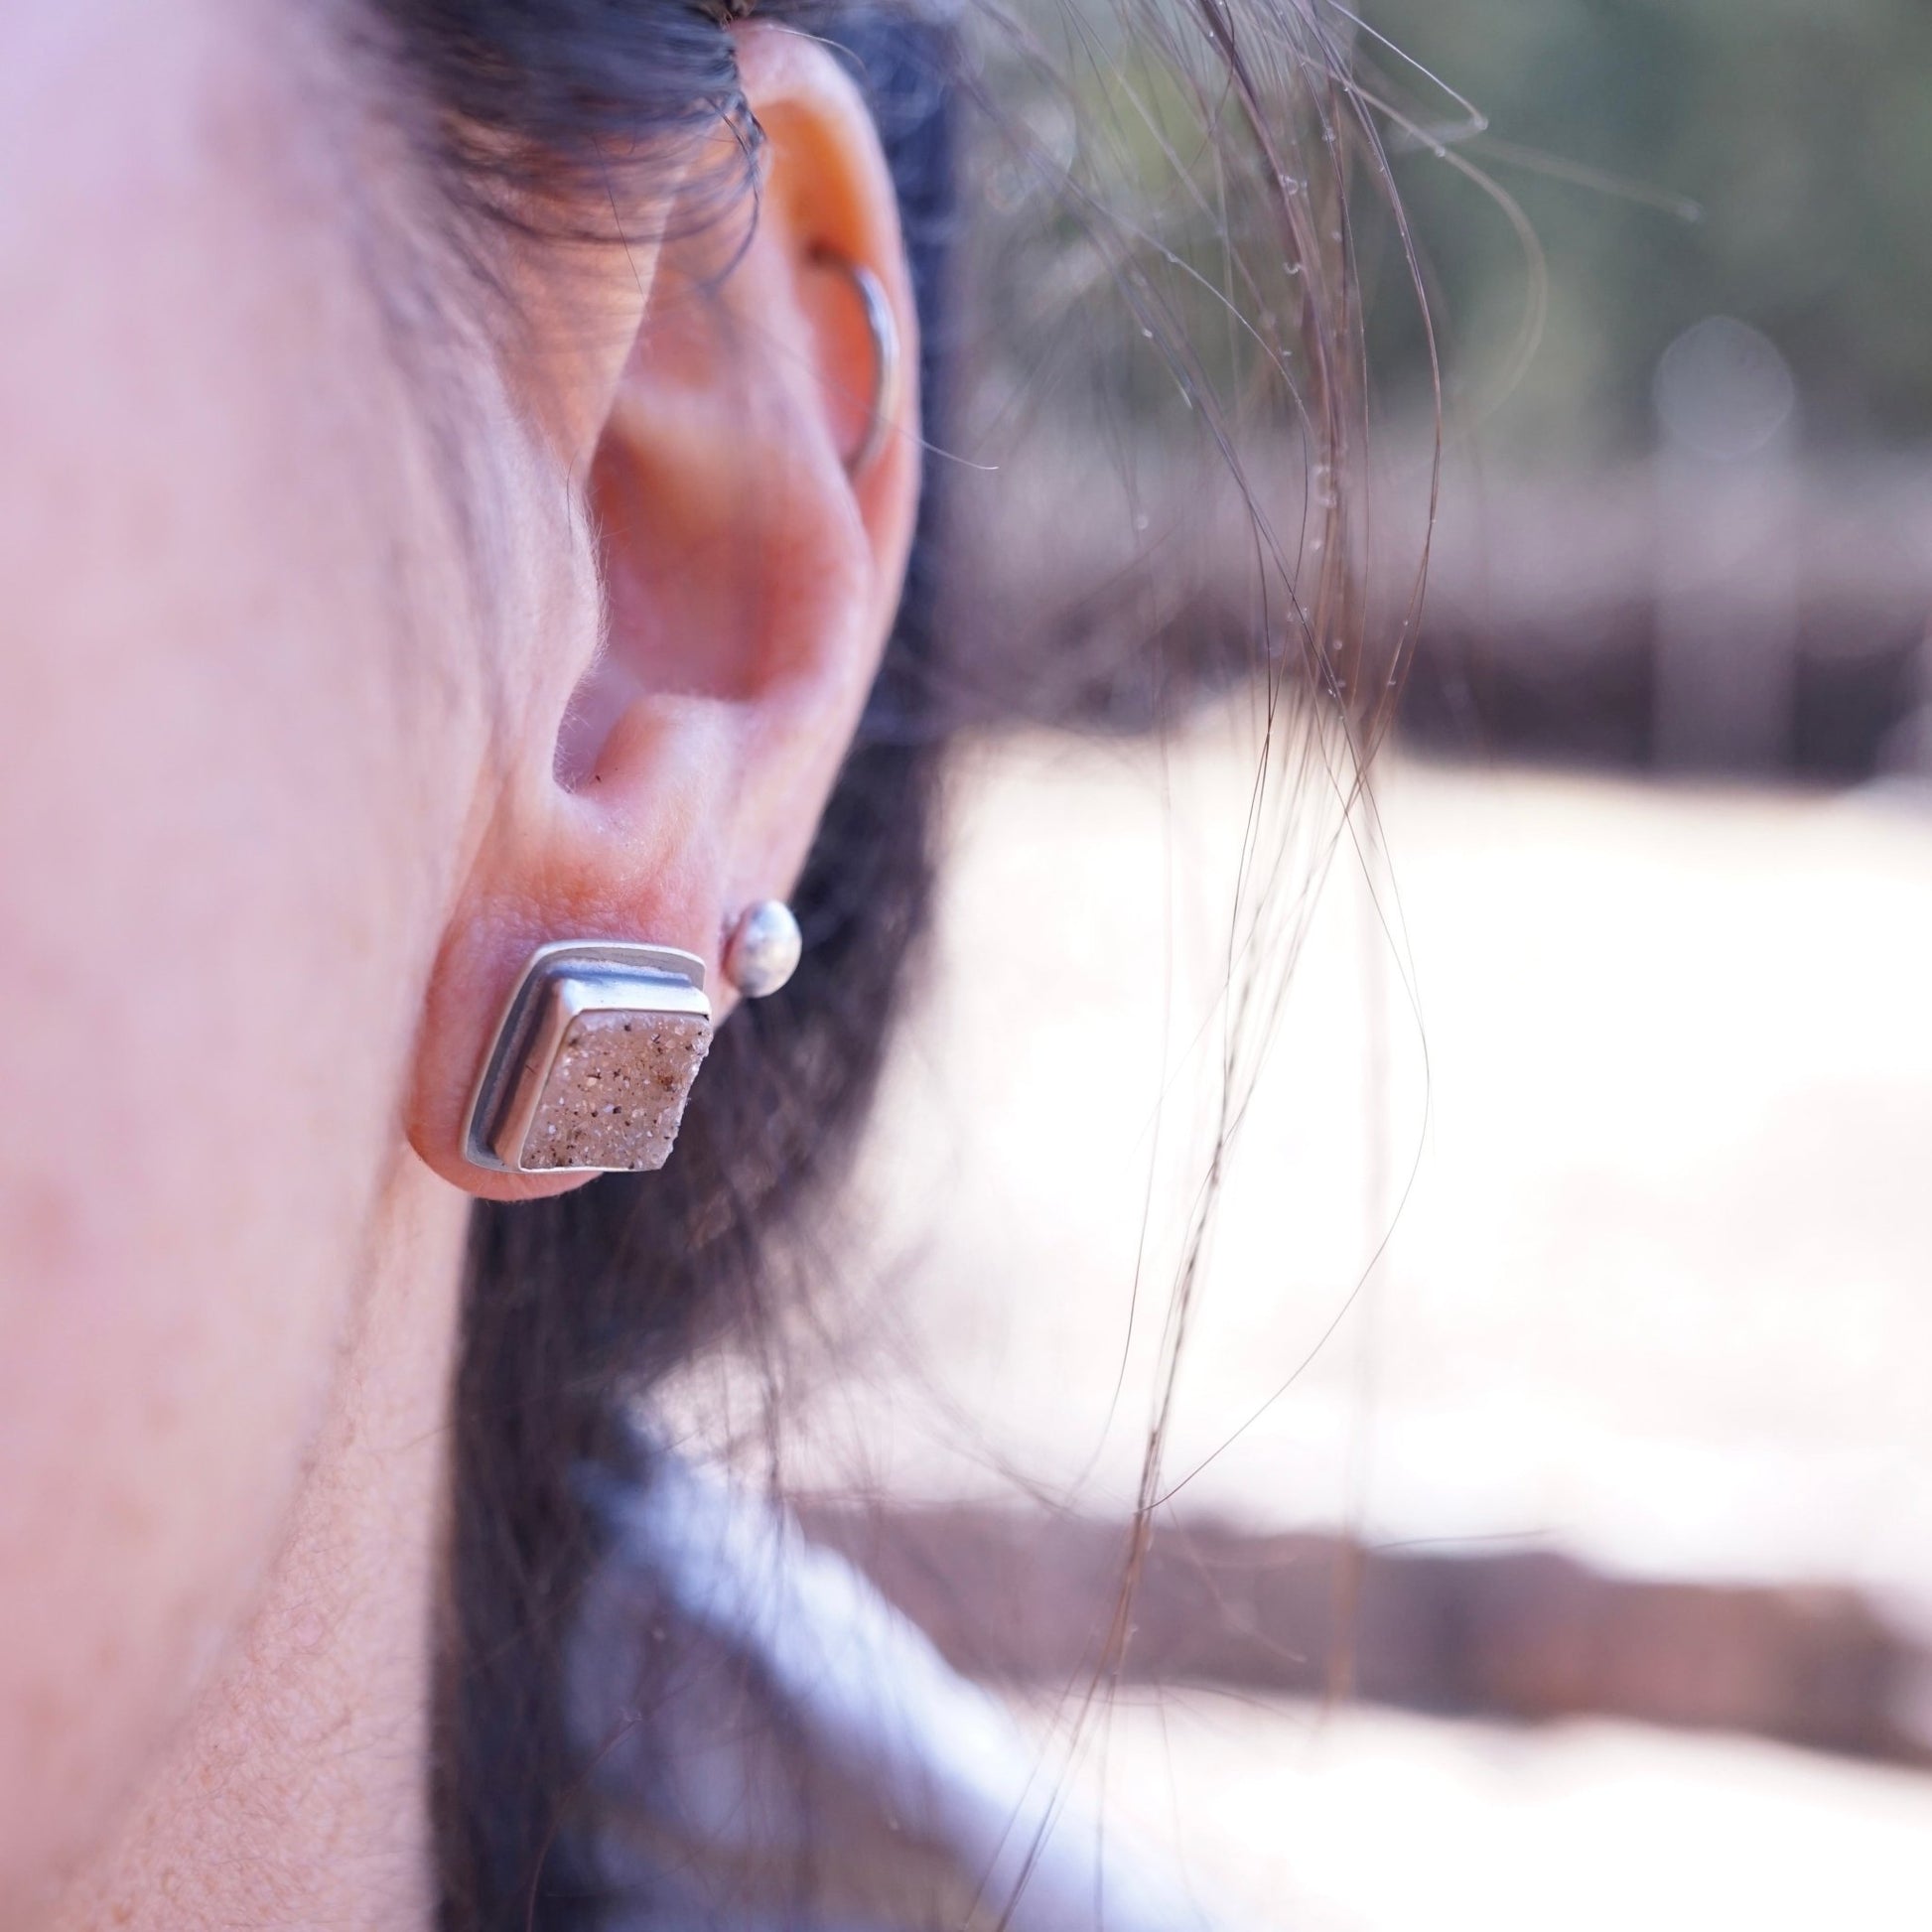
616, 1092
593, 1060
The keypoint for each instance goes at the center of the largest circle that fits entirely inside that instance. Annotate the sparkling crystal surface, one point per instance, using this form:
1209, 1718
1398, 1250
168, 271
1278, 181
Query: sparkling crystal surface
616, 1091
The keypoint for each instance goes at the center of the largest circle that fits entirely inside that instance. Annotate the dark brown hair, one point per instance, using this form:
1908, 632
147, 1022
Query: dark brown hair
575, 1305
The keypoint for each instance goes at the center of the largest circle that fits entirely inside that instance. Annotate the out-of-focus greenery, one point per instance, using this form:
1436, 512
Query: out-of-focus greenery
1802, 130
1669, 159
1147, 263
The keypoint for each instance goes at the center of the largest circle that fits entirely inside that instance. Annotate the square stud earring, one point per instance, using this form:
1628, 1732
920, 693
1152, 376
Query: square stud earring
593, 1060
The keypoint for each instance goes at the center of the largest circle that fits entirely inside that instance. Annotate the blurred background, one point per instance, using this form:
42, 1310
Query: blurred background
1537, 1332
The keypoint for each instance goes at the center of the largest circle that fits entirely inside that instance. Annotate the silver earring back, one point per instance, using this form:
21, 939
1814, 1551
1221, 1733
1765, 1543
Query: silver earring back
763, 948
593, 1061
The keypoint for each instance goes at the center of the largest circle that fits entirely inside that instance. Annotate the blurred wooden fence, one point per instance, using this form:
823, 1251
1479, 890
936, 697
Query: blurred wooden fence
1522, 1634
1736, 618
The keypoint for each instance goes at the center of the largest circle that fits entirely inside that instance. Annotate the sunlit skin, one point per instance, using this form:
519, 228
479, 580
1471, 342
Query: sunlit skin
281, 813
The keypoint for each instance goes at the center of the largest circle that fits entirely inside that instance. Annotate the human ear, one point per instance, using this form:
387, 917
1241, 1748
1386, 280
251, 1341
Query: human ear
750, 577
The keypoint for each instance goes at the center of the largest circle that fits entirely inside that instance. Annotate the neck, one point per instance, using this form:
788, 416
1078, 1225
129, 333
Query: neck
298, 1792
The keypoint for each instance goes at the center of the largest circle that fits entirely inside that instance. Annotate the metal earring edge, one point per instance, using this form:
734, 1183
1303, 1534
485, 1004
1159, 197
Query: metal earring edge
510, 1082
882, 327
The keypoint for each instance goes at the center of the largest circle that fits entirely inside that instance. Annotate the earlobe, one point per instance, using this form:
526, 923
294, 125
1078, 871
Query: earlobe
752, 498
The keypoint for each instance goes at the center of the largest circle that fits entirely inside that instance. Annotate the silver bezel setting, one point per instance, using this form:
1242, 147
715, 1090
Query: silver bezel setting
560, 982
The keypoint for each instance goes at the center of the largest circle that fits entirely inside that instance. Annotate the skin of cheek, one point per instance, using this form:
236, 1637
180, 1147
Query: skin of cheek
232, 804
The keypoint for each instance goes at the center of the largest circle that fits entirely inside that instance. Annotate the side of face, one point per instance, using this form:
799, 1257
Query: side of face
231, 789
280, 798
